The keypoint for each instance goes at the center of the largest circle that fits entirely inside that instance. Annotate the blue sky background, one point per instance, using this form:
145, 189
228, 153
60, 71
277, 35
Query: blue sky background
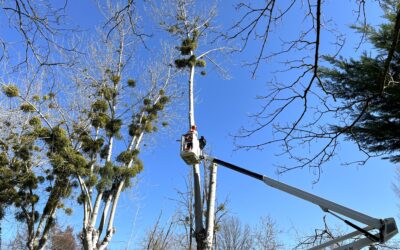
222, 107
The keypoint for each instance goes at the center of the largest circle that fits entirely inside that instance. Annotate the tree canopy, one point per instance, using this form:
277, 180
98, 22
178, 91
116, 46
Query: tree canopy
77, 111
371, 100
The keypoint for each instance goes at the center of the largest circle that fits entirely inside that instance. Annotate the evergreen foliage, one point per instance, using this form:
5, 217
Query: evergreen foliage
375, 107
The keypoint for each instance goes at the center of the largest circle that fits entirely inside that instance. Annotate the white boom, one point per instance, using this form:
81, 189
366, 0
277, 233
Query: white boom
376, 231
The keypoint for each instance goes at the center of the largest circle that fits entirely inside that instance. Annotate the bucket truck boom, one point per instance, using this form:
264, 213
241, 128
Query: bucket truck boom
375, 231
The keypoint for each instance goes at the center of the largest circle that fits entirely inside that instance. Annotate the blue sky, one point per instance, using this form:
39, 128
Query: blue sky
222, 106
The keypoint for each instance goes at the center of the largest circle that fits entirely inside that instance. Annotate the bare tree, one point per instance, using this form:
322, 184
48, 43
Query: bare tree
33, 181
59, 239
229, 232
112, 103
266, 235
161, 237
306, 93
62, 239
186, 22
83, 135
123, 112
38, 24
19, 242
320, 236
232, 235
328, 233
185, 214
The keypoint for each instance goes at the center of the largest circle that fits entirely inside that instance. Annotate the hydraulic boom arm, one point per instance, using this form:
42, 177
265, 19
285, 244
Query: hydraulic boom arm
384, 228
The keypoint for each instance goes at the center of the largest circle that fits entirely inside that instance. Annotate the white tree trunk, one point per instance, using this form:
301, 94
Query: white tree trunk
191, 96
211, 206
198, 208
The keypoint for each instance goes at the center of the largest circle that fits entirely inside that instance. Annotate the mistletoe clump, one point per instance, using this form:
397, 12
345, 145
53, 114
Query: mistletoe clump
108, 93
187, 48
19, 180
127, 156
188, 45
113, 126
106, 173
145, 123
27, 107
201, 63
99, 106
36, 98
10, 90
115, 79
89, 145
100, 120
131, 83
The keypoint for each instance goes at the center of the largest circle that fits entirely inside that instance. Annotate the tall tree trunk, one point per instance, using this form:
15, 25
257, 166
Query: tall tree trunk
198, 208
211, 206
191, 95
